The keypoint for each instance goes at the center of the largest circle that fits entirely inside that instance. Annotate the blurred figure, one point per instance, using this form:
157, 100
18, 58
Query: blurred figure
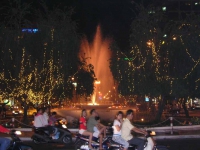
91, 124
46, 115
126, 129
4, 142
100, 128
39, 120
52, 119
117, 124
83, 127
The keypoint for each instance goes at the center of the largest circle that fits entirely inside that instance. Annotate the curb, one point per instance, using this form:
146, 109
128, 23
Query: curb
167, 128
157, 129
155, 137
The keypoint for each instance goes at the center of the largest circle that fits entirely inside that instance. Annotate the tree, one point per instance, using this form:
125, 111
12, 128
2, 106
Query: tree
162, 61
41, 63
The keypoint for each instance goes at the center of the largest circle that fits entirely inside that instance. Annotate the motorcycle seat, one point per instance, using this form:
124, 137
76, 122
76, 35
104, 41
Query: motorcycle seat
83, 136
87, 137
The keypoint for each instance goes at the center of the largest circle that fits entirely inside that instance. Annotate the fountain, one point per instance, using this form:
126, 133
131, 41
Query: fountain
99, 54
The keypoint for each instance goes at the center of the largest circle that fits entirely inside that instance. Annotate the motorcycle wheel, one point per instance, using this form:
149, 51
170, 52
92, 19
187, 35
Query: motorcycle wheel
78, 144
36, 141
67, 139
161, 148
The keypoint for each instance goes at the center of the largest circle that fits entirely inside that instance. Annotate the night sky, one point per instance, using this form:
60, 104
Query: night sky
114, 16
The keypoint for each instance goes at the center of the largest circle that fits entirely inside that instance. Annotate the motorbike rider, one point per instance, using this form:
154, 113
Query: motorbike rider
91, 123
83, 127
52, 119
4, 142
117, 124
99, 127
41, 122
46, 114
126, 129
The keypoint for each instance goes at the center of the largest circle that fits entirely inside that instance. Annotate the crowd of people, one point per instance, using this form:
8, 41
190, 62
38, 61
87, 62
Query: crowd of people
121, 129
92, 127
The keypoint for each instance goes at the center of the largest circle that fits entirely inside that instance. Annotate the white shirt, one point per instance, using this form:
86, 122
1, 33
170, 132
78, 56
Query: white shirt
115, 132
39, 121
126, 130
46, 118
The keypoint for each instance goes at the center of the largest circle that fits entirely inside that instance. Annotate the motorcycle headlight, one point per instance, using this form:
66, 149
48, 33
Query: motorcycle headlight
13, 111
153, 133
18, 132
64, 126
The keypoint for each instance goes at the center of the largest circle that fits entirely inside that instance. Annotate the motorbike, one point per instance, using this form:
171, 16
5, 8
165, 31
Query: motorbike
81, 143
16, 143
149, 144
42, 135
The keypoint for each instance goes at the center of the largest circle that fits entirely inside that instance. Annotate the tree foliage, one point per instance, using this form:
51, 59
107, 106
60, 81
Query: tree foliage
163, 58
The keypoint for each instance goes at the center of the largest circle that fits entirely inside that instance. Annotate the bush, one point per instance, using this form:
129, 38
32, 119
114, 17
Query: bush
195, 121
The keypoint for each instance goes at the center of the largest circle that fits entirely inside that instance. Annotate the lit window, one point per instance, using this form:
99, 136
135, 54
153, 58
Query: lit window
151, 12
30, 30
164, 8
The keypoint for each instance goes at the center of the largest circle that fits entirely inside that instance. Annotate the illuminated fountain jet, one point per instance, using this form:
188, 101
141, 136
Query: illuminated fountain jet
98, 51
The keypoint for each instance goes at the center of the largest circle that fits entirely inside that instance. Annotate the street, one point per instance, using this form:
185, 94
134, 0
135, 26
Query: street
176, 144
172, 144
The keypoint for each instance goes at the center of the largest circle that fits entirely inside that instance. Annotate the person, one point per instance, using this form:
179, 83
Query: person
126, 129
4, 142
52, 119
91, 123
99, 128
46, 115
117, 124
83, 127
39, 120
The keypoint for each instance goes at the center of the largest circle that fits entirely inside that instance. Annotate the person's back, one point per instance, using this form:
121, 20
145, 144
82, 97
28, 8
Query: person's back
39, 119
46, 116
91, 123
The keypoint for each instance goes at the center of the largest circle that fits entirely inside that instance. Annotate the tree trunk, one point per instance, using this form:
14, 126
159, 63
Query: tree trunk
160, 109
25, 116
185, 108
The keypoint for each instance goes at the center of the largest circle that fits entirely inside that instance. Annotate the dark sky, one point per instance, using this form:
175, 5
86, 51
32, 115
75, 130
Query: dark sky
114, 16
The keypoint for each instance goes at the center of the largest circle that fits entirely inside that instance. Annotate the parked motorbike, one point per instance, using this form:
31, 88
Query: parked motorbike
16, 143
42, 135
149, 144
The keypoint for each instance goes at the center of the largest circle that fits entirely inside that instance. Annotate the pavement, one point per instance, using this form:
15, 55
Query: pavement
176, 132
